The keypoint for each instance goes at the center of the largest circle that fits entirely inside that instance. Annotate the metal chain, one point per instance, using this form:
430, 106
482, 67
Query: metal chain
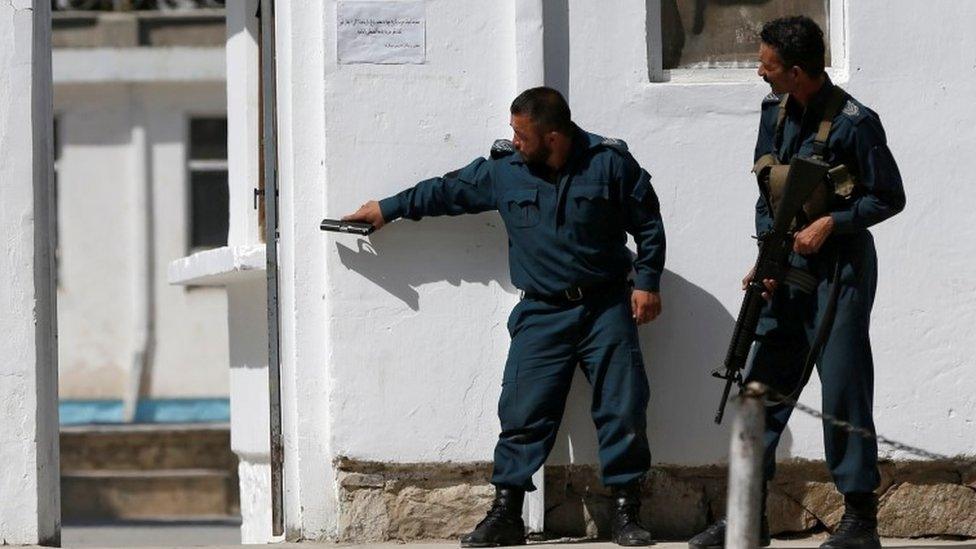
853, 429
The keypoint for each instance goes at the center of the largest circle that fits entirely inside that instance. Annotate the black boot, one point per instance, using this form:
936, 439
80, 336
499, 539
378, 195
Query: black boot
626, 528
858, 528
503, 525
713, 537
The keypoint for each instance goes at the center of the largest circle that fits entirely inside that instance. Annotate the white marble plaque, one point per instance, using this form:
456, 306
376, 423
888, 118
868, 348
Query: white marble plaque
391, 33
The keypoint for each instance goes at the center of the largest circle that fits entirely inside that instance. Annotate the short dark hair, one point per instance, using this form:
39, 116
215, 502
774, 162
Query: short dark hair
546, 107
798, 41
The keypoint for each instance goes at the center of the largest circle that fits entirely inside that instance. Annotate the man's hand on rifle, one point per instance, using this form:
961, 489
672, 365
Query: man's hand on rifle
811, 238
769, 283
368, 213
645, 305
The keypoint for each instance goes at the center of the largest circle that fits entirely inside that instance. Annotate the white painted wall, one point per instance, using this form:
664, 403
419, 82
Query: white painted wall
416, 317
393, 347
414, 323
118, 139
29, 508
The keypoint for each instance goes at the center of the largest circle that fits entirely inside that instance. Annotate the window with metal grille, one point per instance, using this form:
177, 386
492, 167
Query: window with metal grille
209, 213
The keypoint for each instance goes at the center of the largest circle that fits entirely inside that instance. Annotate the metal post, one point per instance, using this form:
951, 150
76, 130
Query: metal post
534, 508
270, 161
745, 469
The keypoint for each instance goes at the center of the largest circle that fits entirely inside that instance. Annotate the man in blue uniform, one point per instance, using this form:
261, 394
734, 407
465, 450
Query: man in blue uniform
807, 115
568, 199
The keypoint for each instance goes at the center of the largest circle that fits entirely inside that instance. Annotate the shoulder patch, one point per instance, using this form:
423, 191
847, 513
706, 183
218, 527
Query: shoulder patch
501, 148
851, 109
614, 143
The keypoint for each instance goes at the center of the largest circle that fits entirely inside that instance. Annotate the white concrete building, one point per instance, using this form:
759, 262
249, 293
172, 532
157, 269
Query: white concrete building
392, 347
140, 127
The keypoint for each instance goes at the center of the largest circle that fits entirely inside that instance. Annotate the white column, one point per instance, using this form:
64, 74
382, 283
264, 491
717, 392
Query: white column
311, 494
247, 299
30, 502
243, 120
249, 429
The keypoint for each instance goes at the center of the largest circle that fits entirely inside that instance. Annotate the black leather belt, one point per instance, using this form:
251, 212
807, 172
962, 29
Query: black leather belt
575, 294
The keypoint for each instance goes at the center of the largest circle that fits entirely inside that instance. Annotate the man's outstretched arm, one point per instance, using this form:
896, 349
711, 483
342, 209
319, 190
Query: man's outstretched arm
468, 190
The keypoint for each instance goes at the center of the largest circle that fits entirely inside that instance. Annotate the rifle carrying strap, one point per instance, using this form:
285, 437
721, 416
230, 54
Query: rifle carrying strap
780, 122
833, 106
834, 103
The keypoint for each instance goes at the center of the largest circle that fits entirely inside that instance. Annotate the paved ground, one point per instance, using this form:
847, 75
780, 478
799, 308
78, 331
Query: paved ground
152, 533
225, 534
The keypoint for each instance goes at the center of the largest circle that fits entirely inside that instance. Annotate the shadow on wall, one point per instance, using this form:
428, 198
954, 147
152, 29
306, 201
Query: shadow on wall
400, 258
681, 348
555, 15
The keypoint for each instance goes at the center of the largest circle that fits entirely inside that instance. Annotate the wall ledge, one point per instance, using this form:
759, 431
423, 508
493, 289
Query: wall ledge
218, 267
138, 65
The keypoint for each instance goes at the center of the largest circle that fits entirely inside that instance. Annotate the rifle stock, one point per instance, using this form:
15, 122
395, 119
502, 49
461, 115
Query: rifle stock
772, 263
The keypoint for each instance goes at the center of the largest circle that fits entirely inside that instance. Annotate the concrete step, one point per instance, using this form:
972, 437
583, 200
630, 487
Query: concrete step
147, 447
139, 494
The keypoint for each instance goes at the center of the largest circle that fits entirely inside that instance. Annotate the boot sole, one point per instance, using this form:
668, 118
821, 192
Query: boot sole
492, 544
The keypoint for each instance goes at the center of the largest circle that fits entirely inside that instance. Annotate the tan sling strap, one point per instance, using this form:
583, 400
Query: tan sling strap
834, 104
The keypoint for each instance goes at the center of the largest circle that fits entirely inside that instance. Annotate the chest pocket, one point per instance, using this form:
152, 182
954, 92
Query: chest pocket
590, 204
521, 208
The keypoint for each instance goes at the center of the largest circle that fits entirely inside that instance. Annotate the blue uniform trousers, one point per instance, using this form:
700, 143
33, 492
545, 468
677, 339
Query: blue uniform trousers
549, 340
787, 329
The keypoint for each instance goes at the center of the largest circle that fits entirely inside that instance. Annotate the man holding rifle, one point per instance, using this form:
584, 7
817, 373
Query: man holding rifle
568, 199
820, 298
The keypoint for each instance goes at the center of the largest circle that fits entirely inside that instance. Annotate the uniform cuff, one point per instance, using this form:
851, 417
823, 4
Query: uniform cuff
391, 208
843, 221
649, 282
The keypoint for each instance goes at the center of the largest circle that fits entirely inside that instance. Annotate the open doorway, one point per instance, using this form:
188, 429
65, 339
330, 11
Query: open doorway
141, 180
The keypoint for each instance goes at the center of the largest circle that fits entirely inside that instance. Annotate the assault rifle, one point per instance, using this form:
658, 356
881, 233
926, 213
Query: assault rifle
775, 246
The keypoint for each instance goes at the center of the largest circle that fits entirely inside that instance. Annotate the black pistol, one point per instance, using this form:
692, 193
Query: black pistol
352, 227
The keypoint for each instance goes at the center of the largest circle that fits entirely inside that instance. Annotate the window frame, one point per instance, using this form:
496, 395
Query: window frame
191, 166
657, 74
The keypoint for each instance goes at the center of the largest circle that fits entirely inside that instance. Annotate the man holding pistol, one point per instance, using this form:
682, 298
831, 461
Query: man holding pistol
568, 199
807, 115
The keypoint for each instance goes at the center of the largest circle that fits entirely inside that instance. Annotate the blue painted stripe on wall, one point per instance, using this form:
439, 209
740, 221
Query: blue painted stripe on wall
162, 410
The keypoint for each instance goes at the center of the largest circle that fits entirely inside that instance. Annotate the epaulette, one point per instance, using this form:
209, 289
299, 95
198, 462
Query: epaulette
614, 143
853, 110
502, 148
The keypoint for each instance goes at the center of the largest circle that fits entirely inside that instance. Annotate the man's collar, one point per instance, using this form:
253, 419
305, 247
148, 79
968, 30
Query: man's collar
817, 100
587, 139
820, 98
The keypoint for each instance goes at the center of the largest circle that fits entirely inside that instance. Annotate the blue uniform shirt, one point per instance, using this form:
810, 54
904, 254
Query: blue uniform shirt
571, 232
856, 140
